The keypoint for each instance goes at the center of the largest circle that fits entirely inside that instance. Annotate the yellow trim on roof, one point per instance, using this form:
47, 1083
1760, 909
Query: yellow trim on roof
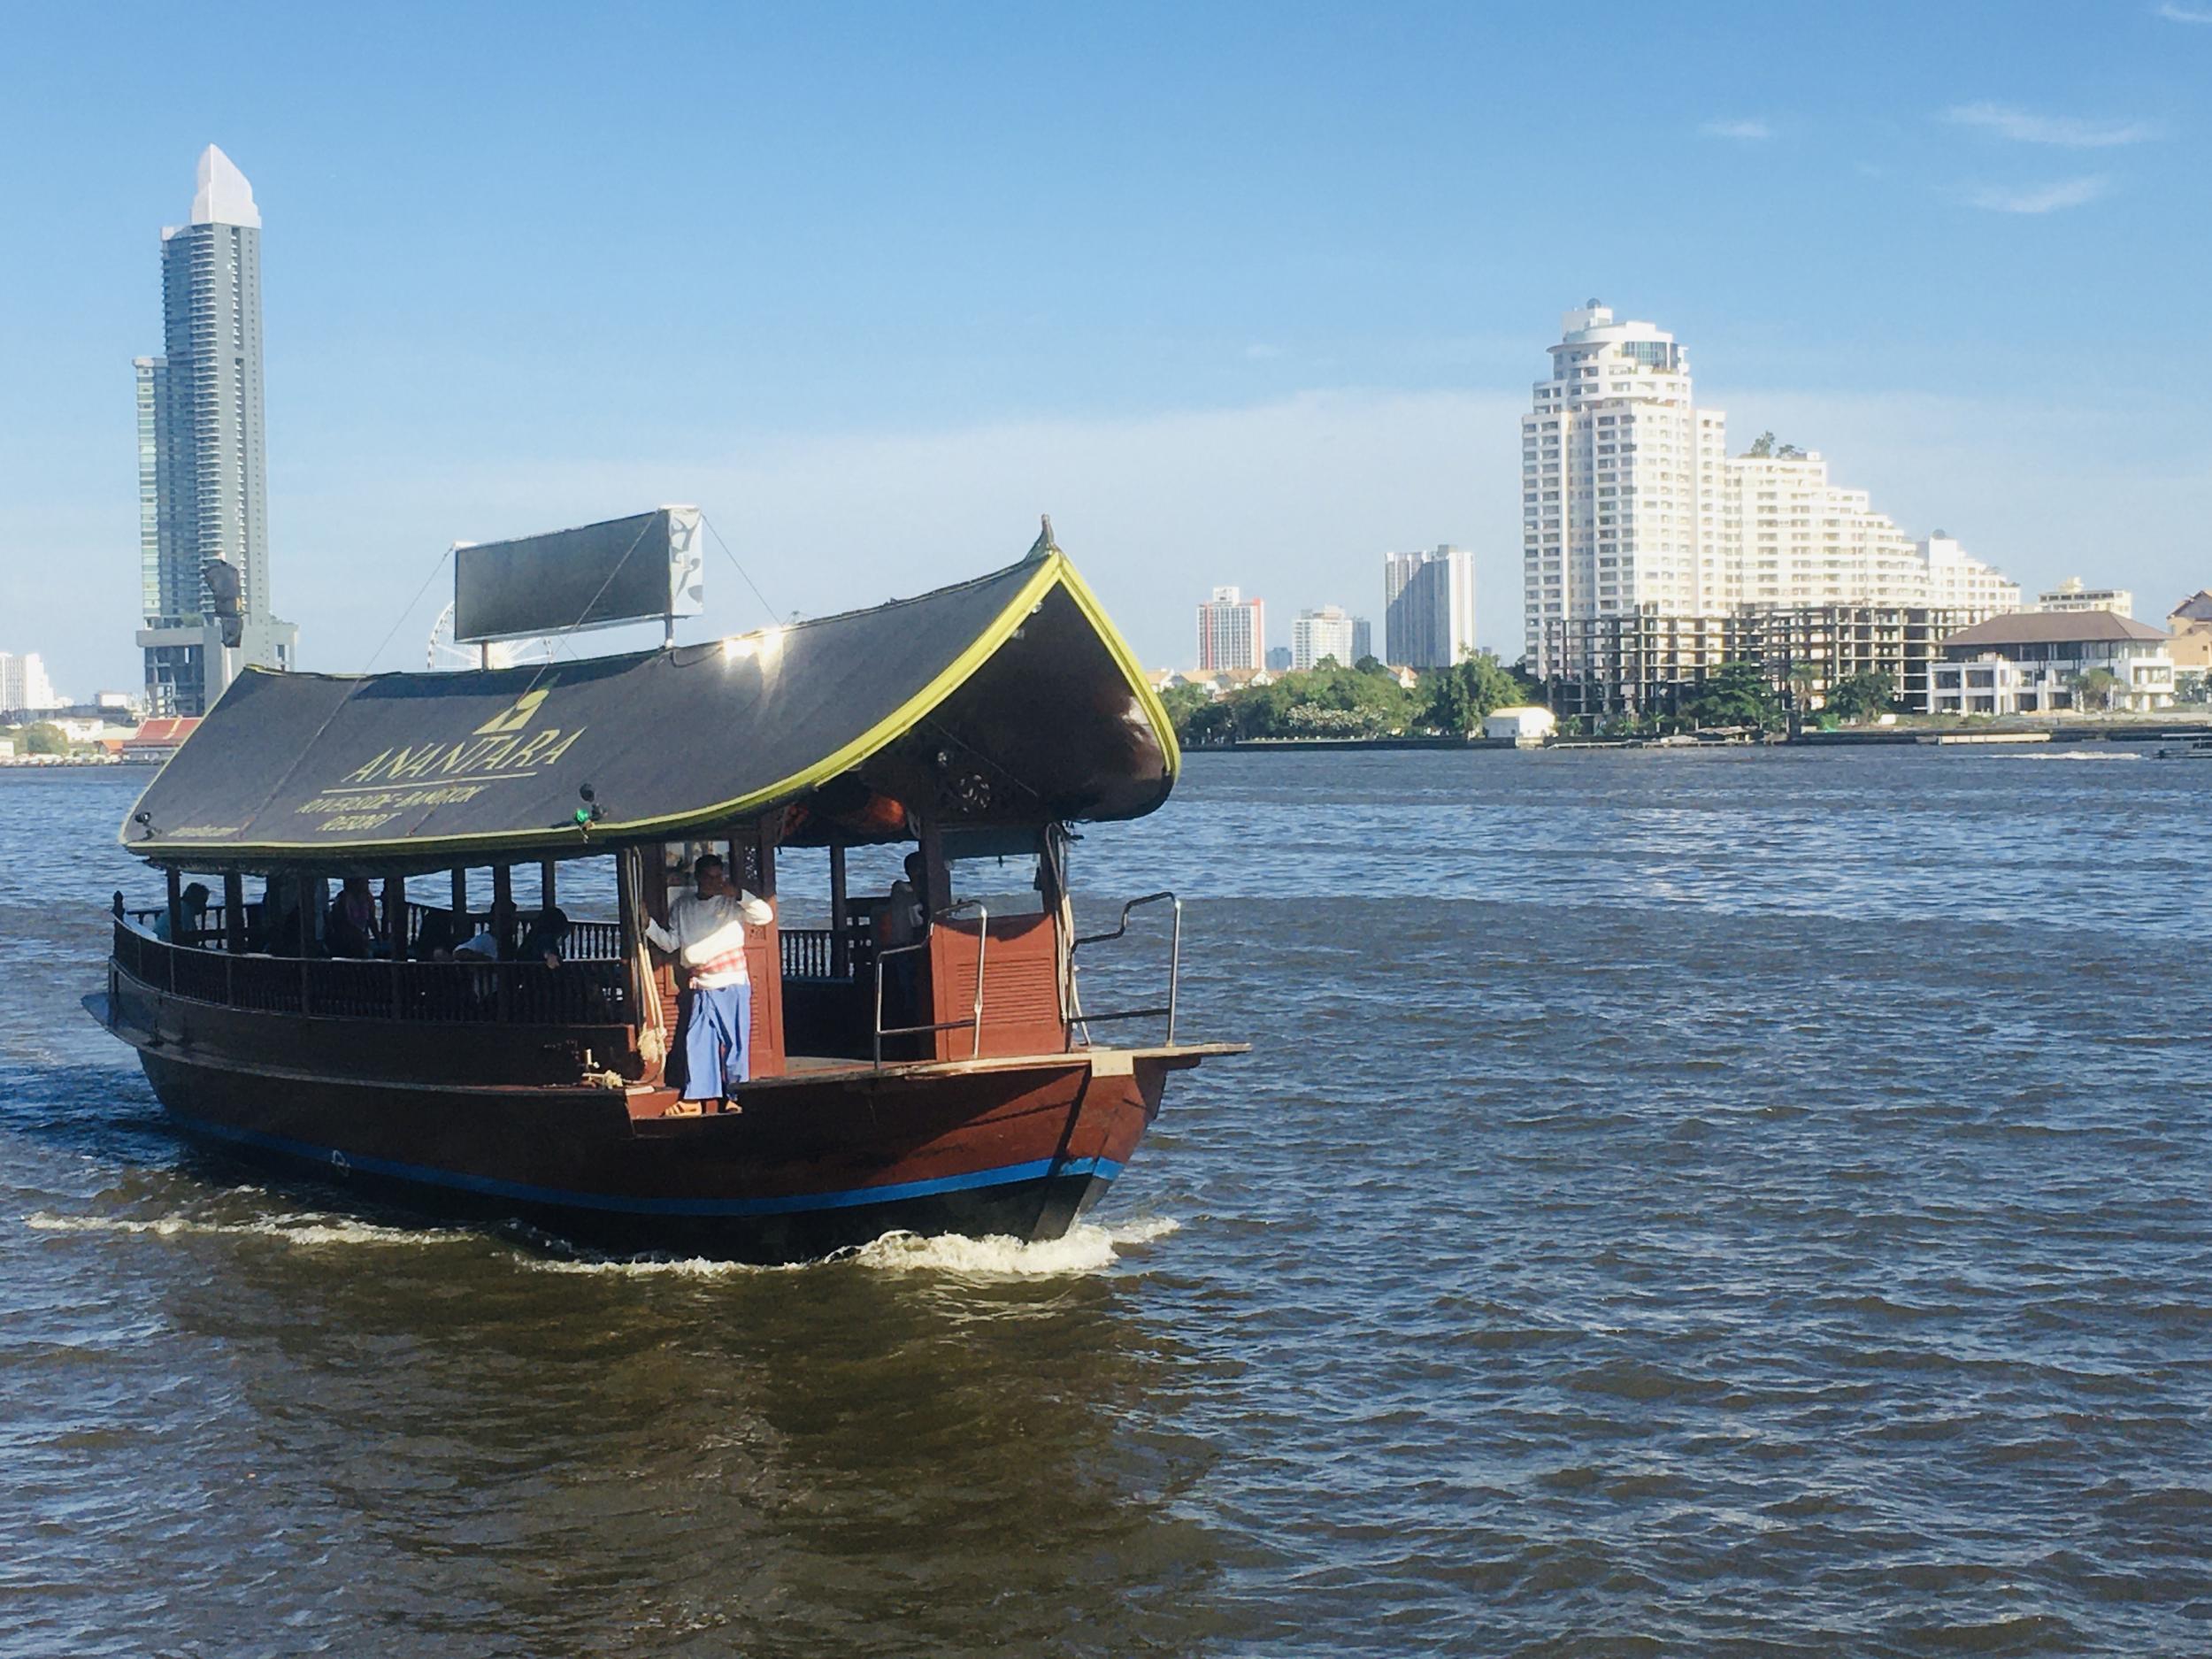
1147, 699
1053, 571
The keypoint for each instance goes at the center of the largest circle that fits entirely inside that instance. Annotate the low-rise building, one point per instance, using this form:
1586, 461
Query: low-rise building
1213, 682
2071, 595
2042, 662
159, 738
2190, 625
1527, 726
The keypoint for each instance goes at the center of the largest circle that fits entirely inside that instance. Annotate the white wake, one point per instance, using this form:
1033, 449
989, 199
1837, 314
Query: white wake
299, 1229
1087, 1247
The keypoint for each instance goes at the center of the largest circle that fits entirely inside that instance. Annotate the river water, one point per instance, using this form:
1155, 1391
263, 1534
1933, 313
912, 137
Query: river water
1677, 1203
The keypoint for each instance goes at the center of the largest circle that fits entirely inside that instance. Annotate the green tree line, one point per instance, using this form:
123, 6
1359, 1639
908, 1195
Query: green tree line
1363, 701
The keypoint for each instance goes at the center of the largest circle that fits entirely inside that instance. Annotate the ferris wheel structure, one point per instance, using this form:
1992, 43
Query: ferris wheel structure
444, 654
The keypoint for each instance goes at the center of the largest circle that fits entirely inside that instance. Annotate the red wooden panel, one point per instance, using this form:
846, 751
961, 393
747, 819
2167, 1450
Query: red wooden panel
764, 961
1021, 985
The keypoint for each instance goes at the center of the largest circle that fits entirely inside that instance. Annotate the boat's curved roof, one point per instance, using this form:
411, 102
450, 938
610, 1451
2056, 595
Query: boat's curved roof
1010, 698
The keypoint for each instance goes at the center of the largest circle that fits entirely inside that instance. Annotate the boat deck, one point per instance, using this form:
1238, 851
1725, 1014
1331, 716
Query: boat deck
651, 1101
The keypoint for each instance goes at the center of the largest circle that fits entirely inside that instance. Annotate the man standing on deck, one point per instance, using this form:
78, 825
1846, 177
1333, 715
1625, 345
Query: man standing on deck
706, 932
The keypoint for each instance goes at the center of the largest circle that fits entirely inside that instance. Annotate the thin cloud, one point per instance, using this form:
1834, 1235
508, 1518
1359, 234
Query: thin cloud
2067, 131
2174, 13
1746, 131
2048, 198
1260, 351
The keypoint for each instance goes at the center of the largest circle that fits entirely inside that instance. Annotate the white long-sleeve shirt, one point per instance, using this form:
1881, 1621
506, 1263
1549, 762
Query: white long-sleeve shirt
708, 935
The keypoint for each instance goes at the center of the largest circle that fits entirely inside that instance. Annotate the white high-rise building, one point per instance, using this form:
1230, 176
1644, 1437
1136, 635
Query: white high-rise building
1611, 460
1232, 631
1787, 536
1330, 632
1959, 581
24, 688
1631, 503
1428, 607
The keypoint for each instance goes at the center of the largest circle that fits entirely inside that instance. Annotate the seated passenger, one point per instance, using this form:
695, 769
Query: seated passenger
434, 941
350, 927
547, 938
181, 927
482, 946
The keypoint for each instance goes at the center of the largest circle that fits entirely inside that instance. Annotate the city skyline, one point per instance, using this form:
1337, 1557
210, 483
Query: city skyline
853, 364
1633, 501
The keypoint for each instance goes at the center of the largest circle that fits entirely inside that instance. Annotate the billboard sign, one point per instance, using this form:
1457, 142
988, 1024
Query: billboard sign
646, 568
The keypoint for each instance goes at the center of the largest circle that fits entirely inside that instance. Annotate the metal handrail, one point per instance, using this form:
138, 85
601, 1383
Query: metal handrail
1174, 965
975, 1021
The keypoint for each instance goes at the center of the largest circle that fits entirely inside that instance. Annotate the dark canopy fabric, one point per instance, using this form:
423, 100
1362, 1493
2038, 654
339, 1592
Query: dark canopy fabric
414, 769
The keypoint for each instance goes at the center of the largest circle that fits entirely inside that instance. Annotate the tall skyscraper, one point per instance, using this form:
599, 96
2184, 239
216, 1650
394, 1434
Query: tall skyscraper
1329, 631
203, 483
1428, 607
1232, 631
1631, 506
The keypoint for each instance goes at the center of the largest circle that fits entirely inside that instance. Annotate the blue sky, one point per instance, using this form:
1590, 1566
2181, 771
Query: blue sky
1242, 294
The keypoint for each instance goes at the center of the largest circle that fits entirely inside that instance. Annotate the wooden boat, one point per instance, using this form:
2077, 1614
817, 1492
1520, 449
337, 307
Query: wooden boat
954, 1083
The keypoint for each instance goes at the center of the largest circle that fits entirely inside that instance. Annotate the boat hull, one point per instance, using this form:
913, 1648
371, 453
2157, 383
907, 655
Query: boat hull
812, 1163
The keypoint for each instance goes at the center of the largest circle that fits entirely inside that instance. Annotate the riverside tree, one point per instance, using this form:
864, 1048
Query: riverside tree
1322, 702
1734, 694
1864, 695
1460, 696
2094, 688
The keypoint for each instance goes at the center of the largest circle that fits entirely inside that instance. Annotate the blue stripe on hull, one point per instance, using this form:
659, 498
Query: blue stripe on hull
331, 1158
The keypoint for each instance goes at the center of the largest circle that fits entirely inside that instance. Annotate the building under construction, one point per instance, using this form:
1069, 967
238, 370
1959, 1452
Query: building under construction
1641, 663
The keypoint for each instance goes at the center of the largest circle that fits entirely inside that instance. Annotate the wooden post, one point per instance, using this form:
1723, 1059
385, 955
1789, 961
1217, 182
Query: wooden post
460, 907
841, 945
629, 888
176, 928
502, 930
545, 868
934, 875
395, 940
234, 913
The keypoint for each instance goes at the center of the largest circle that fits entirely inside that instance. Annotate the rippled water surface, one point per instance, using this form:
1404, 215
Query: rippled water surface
1699, 1204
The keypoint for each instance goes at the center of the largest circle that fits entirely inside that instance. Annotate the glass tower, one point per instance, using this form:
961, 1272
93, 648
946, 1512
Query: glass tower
202, 482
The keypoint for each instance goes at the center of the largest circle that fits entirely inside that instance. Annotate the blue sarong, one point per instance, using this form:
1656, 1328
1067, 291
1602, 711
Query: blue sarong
718, 1042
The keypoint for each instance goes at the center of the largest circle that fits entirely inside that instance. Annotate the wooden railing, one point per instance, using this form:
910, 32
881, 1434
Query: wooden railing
594, 992
587, 942
813, 953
